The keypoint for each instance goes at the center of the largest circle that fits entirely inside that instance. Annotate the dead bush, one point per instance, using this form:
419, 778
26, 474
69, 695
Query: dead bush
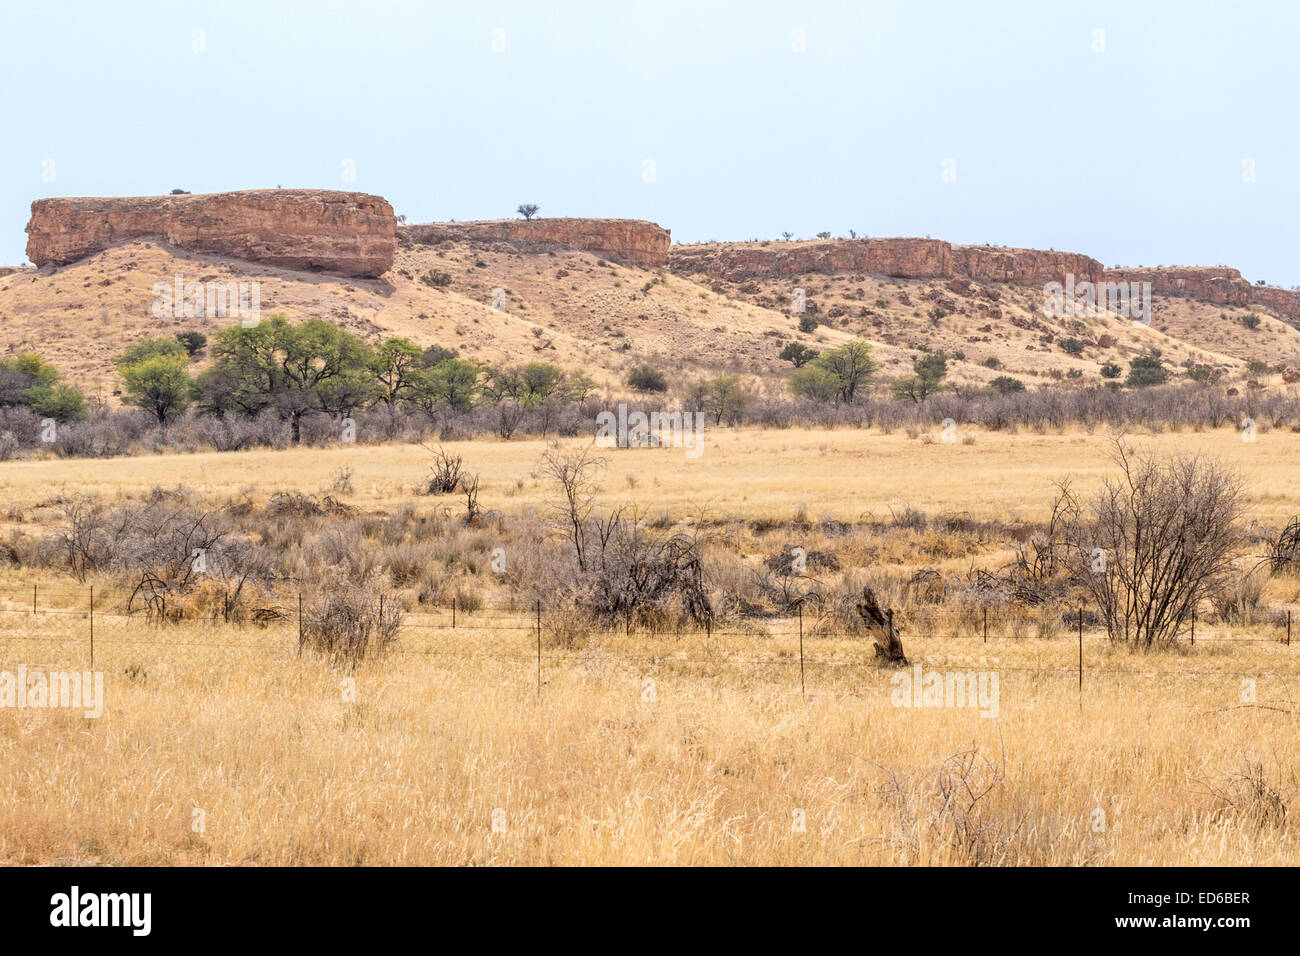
445, 472
348, 620
1152, 542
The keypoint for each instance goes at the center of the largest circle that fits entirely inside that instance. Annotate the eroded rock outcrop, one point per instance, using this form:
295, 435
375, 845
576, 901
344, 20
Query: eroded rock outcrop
308, 229
632, 241
934, 259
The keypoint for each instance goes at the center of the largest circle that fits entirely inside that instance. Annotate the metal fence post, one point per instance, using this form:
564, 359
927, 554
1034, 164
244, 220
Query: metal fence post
1081, 653
803, 688
92, 627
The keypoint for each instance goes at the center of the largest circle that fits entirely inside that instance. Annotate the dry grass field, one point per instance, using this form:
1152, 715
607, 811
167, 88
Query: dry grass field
221, 744
749, 472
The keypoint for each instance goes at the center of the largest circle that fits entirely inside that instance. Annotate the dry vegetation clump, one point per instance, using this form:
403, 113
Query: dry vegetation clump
1153, 542
347, 619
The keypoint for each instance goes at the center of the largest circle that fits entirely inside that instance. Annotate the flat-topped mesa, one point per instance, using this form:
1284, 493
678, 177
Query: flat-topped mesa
306, 229
900, 258
935, 259
632, 241
1218, 285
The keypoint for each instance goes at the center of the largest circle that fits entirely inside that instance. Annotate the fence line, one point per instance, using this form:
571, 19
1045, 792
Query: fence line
511, 620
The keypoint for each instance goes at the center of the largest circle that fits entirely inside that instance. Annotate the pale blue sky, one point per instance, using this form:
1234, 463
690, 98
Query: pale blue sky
1133, 155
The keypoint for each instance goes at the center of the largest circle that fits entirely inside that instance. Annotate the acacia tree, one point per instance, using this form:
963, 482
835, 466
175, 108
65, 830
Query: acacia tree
929, 371
528, 210
154, 377
393, 365
1153, 541
160, 385
851, 365
314, 366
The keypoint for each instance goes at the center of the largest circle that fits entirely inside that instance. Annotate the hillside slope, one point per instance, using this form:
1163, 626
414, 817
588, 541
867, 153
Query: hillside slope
580, 311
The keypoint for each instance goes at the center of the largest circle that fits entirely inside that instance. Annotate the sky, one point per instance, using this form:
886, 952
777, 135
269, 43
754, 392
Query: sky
1140, 133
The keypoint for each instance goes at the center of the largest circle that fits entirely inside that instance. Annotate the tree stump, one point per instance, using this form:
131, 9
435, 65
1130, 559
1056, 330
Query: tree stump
889, 650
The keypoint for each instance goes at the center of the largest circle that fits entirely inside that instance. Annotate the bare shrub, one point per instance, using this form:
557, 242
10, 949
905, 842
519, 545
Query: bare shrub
445, 472
1253, 793
1240, 600
347, 620
469, 488
341, 481
575, 473
642, 575
1153, 541
1284, 555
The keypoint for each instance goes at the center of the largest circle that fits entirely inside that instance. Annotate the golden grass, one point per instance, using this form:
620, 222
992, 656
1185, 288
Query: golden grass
748, 472
665, 751
640, 749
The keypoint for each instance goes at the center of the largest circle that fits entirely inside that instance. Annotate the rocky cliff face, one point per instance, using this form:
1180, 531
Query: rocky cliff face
632, 241
307, 229
933, 259
907, 258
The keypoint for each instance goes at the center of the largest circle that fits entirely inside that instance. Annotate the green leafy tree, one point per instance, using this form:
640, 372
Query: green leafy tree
852, 366
294, 369
63, 403
647, 378
151, 348
394, 365
193, 341
502, 384
158, 384
542, 381
435, 354
928, 373
23, 373
452, 383
814, 383
724, 397
1005, 385
579, 385
1145, 371
798, 354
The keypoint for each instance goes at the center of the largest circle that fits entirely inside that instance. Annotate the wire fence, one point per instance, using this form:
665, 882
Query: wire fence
89, 627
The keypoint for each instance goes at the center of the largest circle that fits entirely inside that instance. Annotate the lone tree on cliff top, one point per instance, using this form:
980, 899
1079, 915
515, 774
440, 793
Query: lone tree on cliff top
528, 210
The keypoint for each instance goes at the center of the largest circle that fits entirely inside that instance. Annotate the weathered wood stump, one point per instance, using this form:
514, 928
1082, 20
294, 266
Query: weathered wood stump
889, 650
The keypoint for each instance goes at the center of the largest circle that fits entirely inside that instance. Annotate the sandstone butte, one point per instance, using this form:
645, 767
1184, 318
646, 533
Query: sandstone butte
357, 234
631, 241
935, 259
305, 229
